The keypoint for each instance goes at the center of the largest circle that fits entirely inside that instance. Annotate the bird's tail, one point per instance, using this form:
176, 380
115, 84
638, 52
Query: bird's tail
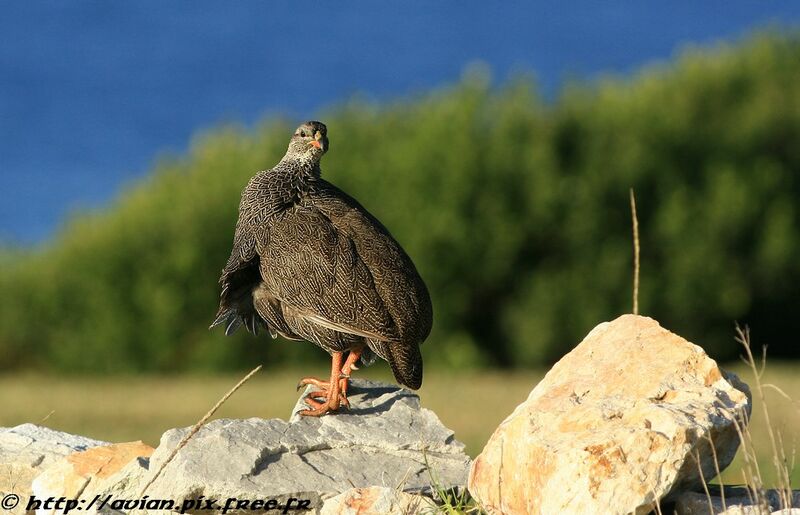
406, 362
233, 318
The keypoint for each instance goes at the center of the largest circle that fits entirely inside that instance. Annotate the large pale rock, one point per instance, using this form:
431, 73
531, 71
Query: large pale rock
615, 425
385, 439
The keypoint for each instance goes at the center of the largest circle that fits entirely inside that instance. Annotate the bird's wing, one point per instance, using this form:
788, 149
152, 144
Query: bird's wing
239, 276
394, 277
250, 229
314, 268
393, 274
243, 253
241, 273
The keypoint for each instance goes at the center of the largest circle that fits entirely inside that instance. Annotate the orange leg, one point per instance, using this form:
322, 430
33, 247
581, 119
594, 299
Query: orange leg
349, 365
325, 387
332, 395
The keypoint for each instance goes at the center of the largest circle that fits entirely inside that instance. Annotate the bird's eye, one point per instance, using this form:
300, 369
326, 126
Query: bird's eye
302, 134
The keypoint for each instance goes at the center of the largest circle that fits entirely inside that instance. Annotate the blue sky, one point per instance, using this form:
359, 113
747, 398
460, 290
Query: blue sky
92, 91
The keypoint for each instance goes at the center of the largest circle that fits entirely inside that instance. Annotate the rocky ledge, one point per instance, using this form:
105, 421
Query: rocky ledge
386, 440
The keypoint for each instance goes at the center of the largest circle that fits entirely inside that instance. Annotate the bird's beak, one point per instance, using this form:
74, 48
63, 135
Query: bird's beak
319, 141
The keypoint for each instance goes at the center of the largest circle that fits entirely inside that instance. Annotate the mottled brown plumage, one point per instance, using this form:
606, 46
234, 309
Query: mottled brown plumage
310, 263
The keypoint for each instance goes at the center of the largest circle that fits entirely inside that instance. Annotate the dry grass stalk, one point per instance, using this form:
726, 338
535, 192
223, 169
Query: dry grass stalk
200, 423
658, 505
717, 471
635, 254
41, 422
778, 455
703, 480
751, 474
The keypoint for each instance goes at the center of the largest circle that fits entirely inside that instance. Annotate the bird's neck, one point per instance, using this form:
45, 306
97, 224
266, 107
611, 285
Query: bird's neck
298, 177
302, 170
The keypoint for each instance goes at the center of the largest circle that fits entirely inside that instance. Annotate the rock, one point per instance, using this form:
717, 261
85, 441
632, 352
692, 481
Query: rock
384, 440
613, 427
737, 501
26, 450
71, 475
376, 499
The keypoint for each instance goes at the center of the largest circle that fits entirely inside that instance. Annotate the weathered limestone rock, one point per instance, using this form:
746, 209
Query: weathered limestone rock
376, 499
385, 439
614, 426
71, 475
26, 450
737, 501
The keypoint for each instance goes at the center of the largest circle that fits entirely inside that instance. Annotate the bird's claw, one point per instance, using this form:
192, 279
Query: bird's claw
310, 399
319, 383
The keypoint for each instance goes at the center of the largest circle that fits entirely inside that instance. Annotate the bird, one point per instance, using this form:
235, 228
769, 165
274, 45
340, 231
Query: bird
310, 263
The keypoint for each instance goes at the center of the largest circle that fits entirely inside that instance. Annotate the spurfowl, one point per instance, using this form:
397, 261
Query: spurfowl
310, 263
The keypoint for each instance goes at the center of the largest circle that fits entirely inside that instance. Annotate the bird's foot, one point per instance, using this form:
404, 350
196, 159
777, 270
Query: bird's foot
333, 401
332, 390
311, 398
319, 383
325, 386
322, 409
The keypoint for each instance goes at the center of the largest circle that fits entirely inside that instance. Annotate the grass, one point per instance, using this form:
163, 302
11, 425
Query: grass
752, 469
472, 404
784, 419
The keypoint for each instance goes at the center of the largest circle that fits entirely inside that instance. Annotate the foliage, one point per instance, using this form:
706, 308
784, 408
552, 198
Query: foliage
514, 210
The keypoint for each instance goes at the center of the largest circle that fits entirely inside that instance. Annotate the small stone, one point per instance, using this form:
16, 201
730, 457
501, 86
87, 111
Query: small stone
614, 426
694, 503
376, 499
736, 501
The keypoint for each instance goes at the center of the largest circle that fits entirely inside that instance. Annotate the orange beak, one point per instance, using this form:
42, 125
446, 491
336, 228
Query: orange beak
317, 140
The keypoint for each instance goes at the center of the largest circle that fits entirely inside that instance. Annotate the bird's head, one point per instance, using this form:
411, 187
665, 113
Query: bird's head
309, 142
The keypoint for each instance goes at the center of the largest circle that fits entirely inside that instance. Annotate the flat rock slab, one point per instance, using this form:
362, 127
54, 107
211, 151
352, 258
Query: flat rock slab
386, 439
738, 501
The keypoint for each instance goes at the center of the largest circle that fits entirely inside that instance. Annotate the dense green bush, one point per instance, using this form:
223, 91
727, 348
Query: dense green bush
515, 211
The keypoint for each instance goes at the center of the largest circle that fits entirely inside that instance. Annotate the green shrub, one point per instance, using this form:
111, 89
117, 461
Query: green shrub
514, 210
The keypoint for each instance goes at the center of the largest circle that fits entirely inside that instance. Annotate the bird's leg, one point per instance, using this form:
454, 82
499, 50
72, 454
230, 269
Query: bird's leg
344, 381
332, 399
344, 378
